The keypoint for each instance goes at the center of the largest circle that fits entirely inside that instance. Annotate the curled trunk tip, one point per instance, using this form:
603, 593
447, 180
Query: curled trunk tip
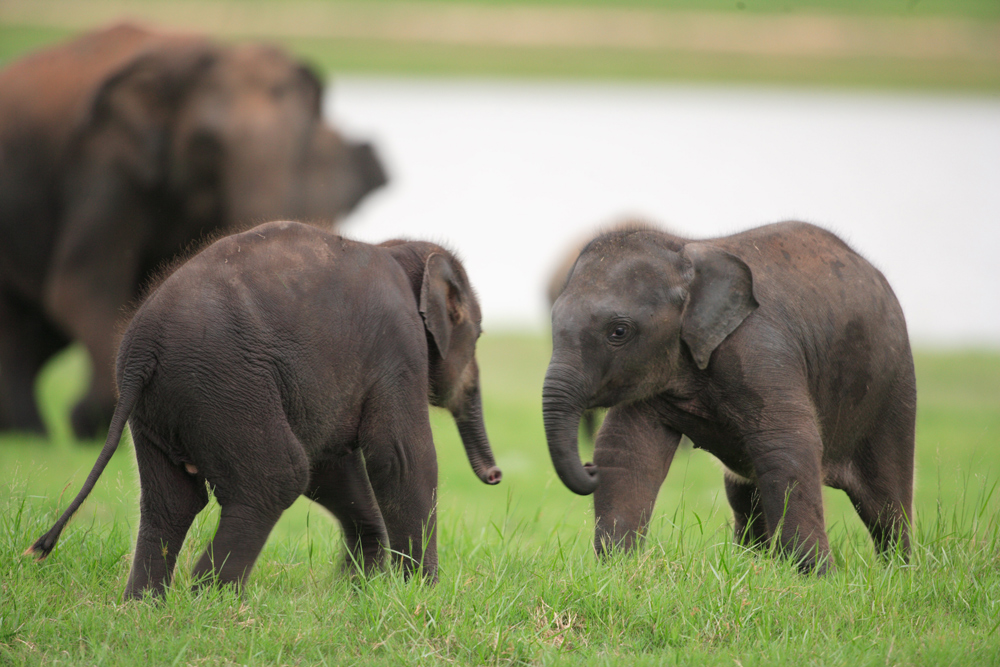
472, 430
562, 408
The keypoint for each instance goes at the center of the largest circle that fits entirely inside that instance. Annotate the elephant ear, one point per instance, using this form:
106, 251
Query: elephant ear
720, 297
439, 300
315, 85
131, 115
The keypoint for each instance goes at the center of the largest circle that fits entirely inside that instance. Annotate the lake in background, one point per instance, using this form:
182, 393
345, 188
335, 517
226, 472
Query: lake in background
511, 174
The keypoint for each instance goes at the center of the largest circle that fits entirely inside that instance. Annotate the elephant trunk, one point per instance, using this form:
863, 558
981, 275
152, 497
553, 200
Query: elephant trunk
472, 430
564, 400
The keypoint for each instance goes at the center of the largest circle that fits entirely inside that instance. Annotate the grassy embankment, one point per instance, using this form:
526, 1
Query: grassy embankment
932, 44
519, 583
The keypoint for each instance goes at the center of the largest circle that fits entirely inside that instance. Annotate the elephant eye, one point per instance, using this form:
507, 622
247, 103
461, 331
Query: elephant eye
619, 332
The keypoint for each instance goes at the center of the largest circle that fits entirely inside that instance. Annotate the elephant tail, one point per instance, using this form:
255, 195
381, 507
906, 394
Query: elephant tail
132, 385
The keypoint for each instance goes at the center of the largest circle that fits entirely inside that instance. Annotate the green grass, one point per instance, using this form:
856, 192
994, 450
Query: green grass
519, 583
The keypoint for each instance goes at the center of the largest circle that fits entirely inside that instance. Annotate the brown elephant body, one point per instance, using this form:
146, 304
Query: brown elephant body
120, 149
284, 361
779, 350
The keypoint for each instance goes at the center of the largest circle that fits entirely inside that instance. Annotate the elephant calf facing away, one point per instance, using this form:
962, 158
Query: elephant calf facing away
286, 361
779, 350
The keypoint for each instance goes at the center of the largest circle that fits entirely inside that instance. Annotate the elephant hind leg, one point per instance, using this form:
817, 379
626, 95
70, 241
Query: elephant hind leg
258, 487
242, 533
170, 500
27, 341
881, 484
748, 512
882, 492
884, 503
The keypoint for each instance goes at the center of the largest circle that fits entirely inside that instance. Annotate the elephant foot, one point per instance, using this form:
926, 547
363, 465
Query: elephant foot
818, 565
152, 595
89, 421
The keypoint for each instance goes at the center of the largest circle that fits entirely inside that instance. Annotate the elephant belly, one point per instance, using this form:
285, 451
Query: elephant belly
729, 451
737, 462
839, 475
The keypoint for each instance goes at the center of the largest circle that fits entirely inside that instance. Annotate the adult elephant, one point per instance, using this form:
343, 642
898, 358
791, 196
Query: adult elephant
779, 350
121, 148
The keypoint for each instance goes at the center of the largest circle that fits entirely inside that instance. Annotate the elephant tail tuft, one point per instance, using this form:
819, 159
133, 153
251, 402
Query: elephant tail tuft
129, 393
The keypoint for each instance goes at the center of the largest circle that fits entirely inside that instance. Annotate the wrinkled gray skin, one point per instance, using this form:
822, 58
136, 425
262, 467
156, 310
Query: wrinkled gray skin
121, 148
779, 350
286, 361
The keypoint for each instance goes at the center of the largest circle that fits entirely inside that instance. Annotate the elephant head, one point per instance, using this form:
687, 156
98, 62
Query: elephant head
452, 320
221, 137
641, 315
253, 122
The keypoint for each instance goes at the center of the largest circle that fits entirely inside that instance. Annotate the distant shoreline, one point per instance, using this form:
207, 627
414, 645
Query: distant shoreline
593, 41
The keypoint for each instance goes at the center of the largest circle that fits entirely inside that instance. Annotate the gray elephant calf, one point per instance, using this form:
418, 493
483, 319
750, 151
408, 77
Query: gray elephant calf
286, 361
779, 350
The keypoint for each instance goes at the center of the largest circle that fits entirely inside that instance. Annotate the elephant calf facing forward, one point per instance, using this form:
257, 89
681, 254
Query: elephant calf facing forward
286, 361
779, 350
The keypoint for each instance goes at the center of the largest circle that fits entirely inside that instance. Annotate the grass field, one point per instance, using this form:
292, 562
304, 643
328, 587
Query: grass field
519, 583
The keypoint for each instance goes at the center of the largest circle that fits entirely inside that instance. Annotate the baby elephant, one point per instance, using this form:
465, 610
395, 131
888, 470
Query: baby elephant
286, 361
779, 350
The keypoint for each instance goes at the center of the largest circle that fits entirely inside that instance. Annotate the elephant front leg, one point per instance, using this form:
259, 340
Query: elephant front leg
632, 453
93, 276
342, 486
27, 341
90, 316
409, 508
254, 491
402, 467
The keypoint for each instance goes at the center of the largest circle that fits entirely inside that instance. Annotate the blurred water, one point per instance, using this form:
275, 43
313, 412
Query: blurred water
511, 173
